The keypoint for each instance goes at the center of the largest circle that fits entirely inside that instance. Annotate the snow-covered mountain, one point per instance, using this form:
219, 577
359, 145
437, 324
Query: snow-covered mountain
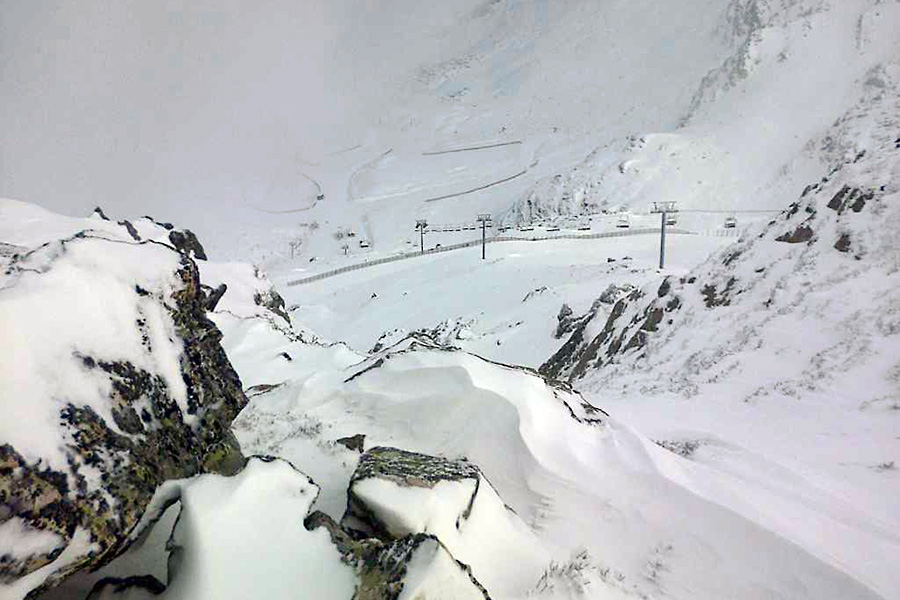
368, 105
563, 419
759, 126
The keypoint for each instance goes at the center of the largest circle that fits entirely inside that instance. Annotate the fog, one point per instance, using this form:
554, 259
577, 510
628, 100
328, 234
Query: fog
182, 110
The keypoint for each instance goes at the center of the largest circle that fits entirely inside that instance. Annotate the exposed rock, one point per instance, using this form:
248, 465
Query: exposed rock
384, 567
853, 198
262, 388
613, 292
354, 442
712, 297
565, 322
534, 293
406, 469
188, 244
131, 230
100, 214
843, 243
273, 301
395, 494
214, 295
803, 233
163, 224
152, 433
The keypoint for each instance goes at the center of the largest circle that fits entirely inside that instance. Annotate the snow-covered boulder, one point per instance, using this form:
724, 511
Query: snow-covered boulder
415, 566
114, 381
396, 493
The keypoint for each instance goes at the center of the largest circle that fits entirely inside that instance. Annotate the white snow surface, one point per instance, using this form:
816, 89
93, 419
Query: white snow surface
72, 297
731, 106
79, 546
611, 512
18, 539
491, 539
243, 537
432, 573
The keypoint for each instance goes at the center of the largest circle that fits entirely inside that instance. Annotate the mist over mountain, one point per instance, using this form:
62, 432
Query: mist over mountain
374, 299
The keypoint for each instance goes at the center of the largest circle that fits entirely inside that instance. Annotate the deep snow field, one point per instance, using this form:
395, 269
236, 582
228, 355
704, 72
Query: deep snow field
726, 427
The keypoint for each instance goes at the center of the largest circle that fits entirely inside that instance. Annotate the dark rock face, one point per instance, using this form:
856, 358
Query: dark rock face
843, 243
273, 301
187, 243
354, 442
853, 198
131, 230
214, 295
803, 233
151, 440
565, 322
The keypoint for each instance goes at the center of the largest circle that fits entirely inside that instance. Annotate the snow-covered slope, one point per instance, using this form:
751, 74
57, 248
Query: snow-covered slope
757, 128
784, 344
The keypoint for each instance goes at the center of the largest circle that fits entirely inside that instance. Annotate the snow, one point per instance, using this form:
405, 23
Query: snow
18, 539
780, 475
432, 573
244, 537
488, 297
491, 539
94, 279
79, 546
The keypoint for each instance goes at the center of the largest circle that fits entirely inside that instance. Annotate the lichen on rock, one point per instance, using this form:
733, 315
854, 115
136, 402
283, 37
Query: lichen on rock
140, 386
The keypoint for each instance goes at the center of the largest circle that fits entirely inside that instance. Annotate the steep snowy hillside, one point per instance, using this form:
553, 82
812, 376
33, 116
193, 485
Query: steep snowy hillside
756, 129
784, 344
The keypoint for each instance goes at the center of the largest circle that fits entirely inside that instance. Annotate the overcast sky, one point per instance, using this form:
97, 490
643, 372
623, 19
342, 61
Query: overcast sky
146, 106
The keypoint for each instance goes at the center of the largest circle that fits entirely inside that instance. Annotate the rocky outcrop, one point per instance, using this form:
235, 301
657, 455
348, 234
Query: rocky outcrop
405, 469
273, 301
384, 537
187, 243
136, 403
572, 351
417, 564
353, 442
834, 234
395, 496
